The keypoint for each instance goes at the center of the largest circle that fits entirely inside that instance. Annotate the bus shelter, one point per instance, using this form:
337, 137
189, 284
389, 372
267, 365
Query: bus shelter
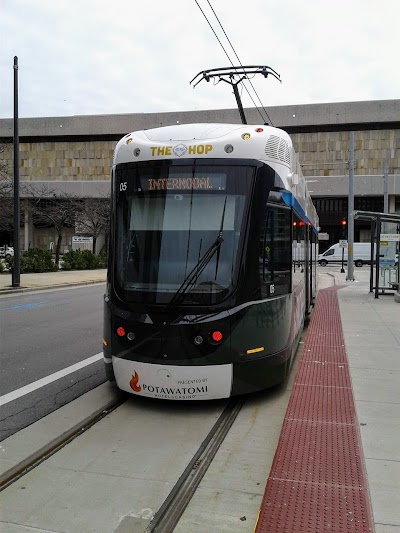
385, 247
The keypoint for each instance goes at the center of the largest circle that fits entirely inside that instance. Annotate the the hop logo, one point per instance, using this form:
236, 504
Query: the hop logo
179, 150
134, 382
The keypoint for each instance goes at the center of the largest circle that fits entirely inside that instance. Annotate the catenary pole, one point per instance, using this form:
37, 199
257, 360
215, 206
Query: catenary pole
350, 217
16, 266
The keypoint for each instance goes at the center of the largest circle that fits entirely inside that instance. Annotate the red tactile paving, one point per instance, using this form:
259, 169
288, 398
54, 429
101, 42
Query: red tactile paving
317, 481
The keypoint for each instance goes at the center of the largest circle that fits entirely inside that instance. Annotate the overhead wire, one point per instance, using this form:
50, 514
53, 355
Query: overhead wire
212, 29
240, 63
227, 55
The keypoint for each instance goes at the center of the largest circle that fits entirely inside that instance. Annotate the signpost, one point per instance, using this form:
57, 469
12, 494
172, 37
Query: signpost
342, 245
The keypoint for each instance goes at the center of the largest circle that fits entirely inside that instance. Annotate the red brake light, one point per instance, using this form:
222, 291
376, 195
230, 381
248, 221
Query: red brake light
120, 332
216, 336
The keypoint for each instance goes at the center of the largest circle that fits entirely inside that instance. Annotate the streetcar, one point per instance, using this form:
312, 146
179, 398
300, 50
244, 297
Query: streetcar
212, 261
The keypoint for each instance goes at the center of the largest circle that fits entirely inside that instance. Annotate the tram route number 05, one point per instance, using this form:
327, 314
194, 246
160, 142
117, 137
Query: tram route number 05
272, 289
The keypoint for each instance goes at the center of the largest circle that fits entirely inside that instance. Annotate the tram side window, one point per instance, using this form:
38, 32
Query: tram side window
298, 249
275, 252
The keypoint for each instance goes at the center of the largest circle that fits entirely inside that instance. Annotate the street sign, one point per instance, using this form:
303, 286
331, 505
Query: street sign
82, 240
342, 243
391, 237
387, 252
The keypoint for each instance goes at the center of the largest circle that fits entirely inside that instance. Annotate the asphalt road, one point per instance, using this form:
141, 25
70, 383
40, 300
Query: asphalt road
41, 333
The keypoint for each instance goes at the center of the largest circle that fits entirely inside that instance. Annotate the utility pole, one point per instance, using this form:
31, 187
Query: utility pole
350, 217
16, 265
229, 75
385, 189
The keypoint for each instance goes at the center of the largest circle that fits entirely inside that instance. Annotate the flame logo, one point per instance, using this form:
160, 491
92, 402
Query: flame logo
134, 382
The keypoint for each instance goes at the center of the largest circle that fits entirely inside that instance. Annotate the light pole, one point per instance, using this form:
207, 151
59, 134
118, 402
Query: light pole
350, 216
385, 189
16, 265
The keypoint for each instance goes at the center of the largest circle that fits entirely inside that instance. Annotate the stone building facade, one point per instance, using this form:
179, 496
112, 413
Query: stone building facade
65, 161
326, 153
73, 155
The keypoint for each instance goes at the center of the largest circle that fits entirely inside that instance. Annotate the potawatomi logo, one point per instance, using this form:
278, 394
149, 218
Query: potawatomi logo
134, 382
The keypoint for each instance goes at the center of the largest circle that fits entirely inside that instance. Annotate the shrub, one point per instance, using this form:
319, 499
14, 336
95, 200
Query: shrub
82, 260
1, 266
9, 262
34, 260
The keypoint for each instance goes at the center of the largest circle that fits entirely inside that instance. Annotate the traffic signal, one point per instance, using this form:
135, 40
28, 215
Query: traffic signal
343, 224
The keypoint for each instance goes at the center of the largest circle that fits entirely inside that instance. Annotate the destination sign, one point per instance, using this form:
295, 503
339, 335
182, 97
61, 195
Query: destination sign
197, 183
172, 179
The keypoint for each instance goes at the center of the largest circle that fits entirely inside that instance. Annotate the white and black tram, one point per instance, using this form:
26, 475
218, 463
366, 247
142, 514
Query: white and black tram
212, 262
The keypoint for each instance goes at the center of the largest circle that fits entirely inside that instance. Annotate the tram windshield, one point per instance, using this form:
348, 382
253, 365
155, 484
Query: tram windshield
168, 219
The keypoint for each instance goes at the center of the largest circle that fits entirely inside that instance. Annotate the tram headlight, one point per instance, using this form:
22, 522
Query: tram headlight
228, 148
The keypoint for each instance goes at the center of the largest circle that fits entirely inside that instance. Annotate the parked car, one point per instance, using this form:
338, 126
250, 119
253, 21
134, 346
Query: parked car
6, 251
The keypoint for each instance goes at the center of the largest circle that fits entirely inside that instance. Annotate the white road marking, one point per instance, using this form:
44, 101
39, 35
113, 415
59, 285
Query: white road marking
48, 379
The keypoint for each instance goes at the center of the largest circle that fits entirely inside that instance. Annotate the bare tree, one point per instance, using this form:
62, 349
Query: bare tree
7, 206
57, 211
4, 165
6, 192
92, 218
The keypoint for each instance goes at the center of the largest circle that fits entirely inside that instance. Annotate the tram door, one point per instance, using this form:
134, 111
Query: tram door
307, 267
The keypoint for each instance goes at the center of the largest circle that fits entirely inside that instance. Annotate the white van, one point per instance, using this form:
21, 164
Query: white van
361, 254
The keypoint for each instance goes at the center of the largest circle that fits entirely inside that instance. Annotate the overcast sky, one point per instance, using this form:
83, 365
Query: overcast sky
83, 57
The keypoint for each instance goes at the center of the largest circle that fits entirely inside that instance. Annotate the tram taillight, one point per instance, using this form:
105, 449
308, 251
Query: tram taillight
121, 332
216, 336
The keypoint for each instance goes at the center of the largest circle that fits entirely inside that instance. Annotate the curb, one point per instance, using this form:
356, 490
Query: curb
10, 290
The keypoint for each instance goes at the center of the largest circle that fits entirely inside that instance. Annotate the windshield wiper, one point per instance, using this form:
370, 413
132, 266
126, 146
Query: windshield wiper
201, 265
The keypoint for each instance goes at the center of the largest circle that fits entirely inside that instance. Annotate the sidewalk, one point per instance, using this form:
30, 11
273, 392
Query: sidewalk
48, 280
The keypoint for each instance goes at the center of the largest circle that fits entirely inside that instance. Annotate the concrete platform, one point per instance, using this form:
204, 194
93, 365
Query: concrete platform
371, 330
